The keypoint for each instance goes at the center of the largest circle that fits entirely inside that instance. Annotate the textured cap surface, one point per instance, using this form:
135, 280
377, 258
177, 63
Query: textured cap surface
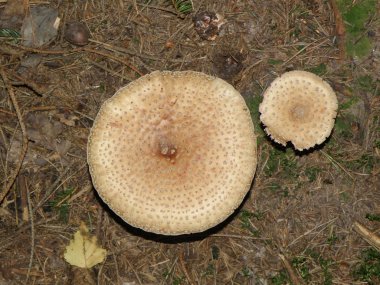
173, 152
299, 107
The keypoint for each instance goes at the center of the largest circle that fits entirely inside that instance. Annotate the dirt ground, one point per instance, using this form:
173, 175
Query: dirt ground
296, 225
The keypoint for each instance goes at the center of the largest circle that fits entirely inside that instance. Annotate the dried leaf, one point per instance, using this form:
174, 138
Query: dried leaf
83, 250
40, 27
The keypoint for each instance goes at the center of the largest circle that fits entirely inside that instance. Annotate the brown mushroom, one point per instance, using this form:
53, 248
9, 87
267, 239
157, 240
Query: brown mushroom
173, 152
299, 107
77, 33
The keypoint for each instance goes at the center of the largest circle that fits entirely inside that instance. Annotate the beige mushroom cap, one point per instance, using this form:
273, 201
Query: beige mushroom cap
173, 152
299, 107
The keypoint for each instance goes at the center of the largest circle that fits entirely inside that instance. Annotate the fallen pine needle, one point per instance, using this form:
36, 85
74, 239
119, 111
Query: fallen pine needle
184, 269
336, 164
12, 178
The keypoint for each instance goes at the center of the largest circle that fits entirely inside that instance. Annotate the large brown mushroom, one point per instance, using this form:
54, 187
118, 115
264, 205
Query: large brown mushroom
299, 107
173, 152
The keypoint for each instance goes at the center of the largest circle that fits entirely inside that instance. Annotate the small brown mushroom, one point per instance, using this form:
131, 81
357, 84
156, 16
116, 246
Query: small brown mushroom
299, 107
173, 152
77, 33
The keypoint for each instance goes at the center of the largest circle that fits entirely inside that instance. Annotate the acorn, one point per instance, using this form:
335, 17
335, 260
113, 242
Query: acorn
77, 33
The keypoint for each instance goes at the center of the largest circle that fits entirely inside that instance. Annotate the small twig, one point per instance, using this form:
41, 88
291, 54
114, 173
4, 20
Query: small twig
238, 237
340, 30
366, 234
145, 56
304, 48
21, 185
70, 198
116, 269
42, 51
32, 235
90, 50
134, 271
249, 68
13, 176
29, 83
108, 70
292, 274
114, 58
8, 112
170, 270
58, 182
99, 223
184, 269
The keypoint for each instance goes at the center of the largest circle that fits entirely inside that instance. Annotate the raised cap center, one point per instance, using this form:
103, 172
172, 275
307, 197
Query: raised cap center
299, 112
166, 148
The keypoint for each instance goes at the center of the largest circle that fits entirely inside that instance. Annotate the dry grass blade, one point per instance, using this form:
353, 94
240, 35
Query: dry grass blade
12, 178
32, 235
366, 234
336, 164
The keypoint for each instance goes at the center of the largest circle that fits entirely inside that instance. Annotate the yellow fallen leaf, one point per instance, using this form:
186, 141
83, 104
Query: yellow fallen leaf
83, 251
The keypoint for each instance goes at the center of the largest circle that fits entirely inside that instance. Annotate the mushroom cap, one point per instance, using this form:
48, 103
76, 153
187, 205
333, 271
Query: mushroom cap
299, 107
173, 152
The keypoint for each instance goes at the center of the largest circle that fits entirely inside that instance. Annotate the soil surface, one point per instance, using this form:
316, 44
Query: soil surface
298, 224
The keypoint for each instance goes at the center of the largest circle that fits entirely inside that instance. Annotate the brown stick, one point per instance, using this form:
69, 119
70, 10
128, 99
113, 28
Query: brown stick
21, 185
32, 85
293, 275
366, 234
340, 30
13, 176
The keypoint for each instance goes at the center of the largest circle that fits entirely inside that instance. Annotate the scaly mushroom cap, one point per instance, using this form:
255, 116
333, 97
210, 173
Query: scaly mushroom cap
299, 107
173, 152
